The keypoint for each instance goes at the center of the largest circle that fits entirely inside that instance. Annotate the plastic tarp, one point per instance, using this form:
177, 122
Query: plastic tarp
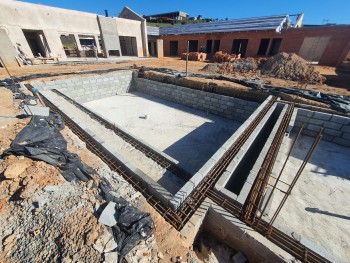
132, 225
41, 140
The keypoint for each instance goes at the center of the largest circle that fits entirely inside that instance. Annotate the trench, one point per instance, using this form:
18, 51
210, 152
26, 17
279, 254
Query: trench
240, 175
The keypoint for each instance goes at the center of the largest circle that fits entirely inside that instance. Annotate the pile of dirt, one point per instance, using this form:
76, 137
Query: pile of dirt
291, 67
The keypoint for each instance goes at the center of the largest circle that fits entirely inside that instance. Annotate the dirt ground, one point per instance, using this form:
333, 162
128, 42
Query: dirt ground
338, 78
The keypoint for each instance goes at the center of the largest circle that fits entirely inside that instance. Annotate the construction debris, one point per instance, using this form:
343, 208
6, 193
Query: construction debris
194, 56
291, 67
221, 57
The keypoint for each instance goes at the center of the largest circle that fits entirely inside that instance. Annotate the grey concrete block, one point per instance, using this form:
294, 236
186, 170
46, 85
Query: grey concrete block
332, 132
305, 113
346, 128
332, 125
302, 119
316, 122
322, 116
342, 141
340, 119
313, 127
310, 133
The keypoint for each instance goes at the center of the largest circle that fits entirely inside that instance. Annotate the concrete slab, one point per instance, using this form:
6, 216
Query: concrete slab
188, 135
36, 110
318, 208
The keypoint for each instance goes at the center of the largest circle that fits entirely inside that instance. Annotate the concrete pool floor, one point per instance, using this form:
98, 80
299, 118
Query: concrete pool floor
188, 135
318, 208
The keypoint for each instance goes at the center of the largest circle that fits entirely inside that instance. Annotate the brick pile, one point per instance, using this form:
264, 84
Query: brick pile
221, 57
194, 56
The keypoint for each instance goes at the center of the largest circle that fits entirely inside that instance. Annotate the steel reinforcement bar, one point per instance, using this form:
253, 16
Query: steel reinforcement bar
254, 199
177, 219
198, 194
92, 145
287, 243
145, 149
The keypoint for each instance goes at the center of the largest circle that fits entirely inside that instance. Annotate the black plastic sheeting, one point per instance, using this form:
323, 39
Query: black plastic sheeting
337, 102
41, 140
46, 75
132, 224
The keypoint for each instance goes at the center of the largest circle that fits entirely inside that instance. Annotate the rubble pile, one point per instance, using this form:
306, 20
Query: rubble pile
291, 67
194, 56
221, 57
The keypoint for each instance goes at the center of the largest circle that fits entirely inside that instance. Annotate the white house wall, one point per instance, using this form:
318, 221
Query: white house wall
16, 16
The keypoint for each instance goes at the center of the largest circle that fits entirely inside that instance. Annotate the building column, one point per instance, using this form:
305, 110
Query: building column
144, 38
97, 44
77, 41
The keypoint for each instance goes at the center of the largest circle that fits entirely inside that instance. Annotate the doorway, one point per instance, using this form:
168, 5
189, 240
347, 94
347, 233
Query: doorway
216, 46
275, 46
128, 46
264, 44
239, 46
37, 42
174, 48
209, 46
193, 45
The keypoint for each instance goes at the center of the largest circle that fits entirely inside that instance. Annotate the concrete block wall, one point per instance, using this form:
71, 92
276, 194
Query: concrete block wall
191, 184
336, 128
225, 106
84, 89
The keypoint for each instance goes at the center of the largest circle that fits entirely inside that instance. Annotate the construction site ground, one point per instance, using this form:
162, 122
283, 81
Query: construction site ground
49, 231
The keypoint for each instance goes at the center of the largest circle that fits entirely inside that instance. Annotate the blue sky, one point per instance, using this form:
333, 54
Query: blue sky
316, 11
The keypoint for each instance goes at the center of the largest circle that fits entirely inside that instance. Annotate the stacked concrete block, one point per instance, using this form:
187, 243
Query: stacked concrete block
84, 89
336, 128
191, 184
225, 106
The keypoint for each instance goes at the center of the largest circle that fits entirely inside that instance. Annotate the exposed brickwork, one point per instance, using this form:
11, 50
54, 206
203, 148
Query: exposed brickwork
293, 38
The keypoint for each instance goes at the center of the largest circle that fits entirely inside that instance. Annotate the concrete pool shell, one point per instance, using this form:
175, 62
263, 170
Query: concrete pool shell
203, 125
132, 98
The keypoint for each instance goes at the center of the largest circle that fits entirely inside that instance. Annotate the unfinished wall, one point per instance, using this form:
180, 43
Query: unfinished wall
292, 40
7, 50
132, 29
56, 21
236, 234
228, 107
336, 128
110, 37
90, 88
53, 21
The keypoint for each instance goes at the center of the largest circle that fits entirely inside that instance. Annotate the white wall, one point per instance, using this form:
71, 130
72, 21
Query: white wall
131, 28
16, 16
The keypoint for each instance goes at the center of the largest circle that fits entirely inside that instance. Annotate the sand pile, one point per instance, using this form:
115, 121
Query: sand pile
291, 67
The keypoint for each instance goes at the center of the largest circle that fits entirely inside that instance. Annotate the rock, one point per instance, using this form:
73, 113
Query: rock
32, 102
111, 257
111, 245
15, 169
51, 188
107, 216
105, 243
160, 255
9, 239
99, 245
